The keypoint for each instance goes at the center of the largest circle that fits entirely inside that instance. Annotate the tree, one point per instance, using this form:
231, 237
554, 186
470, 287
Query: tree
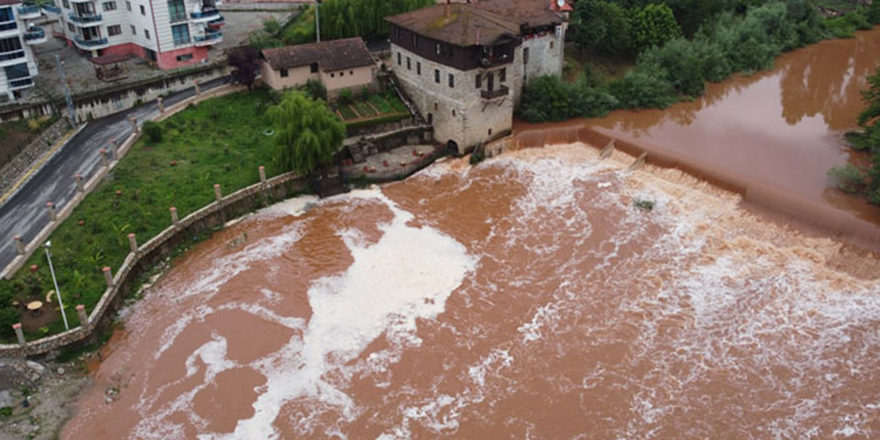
871, 96
653, 25
601, 26
308, 133
245, 61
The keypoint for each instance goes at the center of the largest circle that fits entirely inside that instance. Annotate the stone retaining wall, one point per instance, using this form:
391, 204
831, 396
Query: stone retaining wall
15, 166
157, 249
368, 146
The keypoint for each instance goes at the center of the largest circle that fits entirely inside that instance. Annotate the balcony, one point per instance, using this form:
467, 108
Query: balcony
35, 35
86, 20
28, 12
217, 23
210, 38
90, 44
8, 29
494, 94
21, 83
10, 58
205, 15
51, 9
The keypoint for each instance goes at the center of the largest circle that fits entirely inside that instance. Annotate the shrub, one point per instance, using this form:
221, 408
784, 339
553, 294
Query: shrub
548, 98
346, 97
644, 87
316, 90
681, 63
647, 205
847, 178
653, 25
153, 131
8, 317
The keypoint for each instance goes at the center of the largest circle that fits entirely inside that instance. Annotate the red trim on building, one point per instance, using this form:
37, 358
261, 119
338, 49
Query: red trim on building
168, 60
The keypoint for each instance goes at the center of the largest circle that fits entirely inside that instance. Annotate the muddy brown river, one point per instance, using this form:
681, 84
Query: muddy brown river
527, 298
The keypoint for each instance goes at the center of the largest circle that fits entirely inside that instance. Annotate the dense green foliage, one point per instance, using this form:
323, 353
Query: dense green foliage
343, 19
219, 141
850, 178
653, 25
308, 133
732, 42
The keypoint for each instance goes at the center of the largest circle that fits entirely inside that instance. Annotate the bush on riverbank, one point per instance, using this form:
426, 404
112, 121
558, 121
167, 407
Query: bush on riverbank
217, 141
680, 68
866, 181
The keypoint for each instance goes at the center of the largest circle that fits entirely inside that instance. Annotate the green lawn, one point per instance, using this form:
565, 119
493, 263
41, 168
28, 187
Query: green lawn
218, 141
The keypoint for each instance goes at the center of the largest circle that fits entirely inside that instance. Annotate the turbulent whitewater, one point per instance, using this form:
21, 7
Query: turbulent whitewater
526, 297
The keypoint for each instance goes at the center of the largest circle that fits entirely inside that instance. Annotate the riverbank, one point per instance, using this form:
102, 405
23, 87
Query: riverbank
771, 136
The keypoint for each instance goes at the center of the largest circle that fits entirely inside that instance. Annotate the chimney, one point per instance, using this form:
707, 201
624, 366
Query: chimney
448, 9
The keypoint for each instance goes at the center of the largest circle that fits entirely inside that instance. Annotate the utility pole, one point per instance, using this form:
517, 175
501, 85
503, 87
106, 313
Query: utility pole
317, 19
66, 90
54, 280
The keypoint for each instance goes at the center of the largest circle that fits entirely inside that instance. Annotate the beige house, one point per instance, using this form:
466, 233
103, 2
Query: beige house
338, 64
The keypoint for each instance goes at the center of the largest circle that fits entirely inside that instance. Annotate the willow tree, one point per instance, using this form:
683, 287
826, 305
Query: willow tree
307, 132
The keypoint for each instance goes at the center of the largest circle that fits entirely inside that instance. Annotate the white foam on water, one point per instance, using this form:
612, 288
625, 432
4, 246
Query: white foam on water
407, 275
296, 206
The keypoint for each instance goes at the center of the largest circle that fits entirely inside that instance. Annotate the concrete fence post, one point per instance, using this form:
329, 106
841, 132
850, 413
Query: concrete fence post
114, 147
19, 334
161, 104
132, 243
83, 318
198, 89
50, 210
80, 186
134, 125
217, 194
19, 244
263, 175
105, 161
174, 219
108, 276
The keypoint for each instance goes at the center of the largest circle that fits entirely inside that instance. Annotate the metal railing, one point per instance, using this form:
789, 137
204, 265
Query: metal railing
85, 18
90, 43
51, 9
209, 36
8, 26
12, 55
34, 33
28, 10
497, 93
205, 14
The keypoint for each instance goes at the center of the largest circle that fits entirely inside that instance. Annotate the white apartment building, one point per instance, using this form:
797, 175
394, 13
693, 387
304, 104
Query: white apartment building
18, 65
167, 33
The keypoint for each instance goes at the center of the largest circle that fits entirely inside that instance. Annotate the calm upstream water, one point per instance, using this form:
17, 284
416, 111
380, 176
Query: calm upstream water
525, 298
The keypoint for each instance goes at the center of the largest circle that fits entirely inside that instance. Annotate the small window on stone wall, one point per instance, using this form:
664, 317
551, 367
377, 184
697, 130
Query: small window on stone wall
490, 132
284, 73
453, 113
408, 63
313, 68
502, 75
399, 59
332, 75
351, 72
435, 106
418, 67
479, 81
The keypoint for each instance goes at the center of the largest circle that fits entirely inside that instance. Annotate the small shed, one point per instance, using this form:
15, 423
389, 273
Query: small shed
111, 67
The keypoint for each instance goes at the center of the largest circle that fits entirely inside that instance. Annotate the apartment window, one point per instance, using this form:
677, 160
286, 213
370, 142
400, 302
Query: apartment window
127, 5
143, 10
66, 4
185, 57
525, 55
10, 45
71, 28
314, 68
180, 32
437, 76
399, 59
502, 75
176, 10
408, 63
151, 54
109, 6
284, 73
451, 80
114, 30
479, 81
134, 30
418, 67
147, 33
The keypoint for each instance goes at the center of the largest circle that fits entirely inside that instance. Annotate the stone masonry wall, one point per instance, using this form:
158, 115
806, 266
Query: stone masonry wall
458, 113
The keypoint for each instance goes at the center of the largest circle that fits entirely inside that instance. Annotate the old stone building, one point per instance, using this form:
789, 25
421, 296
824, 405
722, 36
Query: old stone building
464, 65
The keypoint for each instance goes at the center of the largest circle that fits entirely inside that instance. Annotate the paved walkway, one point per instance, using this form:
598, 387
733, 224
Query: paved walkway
25, 213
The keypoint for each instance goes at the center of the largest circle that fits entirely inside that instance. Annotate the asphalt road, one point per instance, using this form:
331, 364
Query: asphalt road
25, 213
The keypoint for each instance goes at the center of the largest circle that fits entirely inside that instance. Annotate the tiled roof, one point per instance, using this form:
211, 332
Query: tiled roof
477, 23
330, 55
9, 2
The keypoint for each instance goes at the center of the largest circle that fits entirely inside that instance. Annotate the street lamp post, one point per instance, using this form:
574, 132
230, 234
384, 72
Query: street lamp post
55, 281
318, 19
